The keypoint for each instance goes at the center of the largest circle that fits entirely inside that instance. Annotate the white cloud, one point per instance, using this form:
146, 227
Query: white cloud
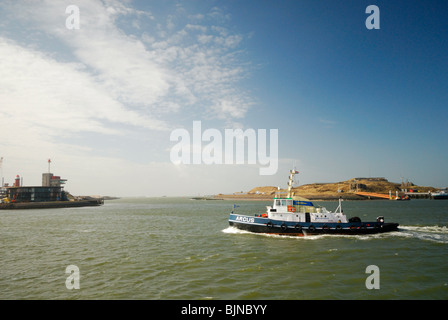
124, 73
122, 64
37, 90
183, 64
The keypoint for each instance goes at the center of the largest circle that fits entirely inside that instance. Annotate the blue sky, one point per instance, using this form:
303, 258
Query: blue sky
102, 101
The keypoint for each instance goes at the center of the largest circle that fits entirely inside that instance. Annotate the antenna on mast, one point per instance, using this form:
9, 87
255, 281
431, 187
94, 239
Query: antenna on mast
1, 171
296, 182
290, 182
49, 161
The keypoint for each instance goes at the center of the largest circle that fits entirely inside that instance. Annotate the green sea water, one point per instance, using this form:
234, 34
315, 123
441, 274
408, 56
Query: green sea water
177, 248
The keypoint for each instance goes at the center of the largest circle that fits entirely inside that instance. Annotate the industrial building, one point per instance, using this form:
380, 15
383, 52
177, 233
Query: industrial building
51, 190
50, 194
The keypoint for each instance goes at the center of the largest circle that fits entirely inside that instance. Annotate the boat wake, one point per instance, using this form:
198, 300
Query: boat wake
427, 233
236, 231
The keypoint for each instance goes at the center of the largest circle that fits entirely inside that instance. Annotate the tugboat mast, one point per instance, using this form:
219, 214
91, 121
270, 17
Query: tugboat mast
290, 182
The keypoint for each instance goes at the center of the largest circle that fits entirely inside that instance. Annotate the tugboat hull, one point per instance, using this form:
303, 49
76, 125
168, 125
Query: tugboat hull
292, 228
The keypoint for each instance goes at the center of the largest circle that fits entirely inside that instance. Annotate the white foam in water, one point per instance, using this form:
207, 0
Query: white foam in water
429, 233
431, 229
235, 230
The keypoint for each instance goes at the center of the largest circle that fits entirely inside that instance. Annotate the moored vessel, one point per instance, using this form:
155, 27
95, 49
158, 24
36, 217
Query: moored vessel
295, 215
441, 195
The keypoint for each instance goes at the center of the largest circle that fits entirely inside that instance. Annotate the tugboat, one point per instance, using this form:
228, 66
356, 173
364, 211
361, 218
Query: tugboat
297, 216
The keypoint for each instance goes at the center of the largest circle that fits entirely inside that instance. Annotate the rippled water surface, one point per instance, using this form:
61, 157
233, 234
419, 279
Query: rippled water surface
177, 248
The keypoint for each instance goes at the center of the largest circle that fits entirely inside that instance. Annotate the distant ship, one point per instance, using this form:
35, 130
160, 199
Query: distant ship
441, 195
205, 198
298, 216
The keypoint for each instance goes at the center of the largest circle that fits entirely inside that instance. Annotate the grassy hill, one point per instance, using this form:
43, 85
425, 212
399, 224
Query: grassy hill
326, 191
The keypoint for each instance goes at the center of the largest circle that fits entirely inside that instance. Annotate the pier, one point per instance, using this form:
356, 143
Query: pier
418, 195
412, 195
373, 195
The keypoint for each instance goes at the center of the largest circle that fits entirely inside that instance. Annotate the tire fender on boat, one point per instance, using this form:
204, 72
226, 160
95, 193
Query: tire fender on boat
312, 228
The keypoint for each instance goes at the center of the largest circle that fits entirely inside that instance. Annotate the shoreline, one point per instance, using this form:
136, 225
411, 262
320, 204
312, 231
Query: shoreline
51, 204
356, 189
313, 197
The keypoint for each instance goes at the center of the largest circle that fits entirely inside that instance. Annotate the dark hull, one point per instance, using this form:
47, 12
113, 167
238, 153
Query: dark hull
265, 225
50, 204
440, 197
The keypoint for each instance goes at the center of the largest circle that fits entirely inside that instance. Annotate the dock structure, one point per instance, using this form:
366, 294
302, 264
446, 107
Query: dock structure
373, 195
418, 195
413, 195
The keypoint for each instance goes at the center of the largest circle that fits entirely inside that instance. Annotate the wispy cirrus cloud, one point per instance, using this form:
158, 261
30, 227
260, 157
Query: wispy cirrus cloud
127, 73
158, 67
171, 65
36, 89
